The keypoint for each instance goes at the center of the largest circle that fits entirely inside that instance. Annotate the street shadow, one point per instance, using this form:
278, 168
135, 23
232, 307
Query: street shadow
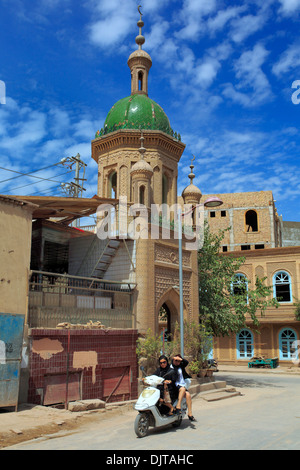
186, 423
242, 382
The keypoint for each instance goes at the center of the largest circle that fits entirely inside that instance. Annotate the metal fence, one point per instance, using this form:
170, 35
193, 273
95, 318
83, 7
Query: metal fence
62, 298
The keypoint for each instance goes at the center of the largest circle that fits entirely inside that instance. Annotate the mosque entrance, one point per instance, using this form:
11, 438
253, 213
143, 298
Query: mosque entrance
168, 314
164, 322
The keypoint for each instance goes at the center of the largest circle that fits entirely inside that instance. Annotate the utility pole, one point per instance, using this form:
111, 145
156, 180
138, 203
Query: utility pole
75, 188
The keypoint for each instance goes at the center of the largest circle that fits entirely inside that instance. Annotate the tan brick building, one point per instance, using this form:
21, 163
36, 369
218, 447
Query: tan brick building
252, 218
256, 233
279, 327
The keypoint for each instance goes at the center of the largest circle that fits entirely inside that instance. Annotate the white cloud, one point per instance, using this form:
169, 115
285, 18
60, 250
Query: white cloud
59, 121
247, 25
205, 73
112, 21
253, 87
223, 17
192, 15
245, 160
289, 7
157, 36
43, 137
288, 61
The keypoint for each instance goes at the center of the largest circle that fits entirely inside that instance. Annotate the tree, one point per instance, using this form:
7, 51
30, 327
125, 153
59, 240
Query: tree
225, 299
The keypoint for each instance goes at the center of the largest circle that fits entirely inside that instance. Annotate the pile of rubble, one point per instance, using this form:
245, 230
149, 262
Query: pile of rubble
87, 326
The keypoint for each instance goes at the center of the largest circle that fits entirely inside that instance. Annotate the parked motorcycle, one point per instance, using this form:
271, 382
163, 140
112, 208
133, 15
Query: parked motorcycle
213, 363
151, 411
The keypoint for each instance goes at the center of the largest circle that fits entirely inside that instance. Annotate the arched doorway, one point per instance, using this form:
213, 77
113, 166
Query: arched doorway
164, 322
168, 312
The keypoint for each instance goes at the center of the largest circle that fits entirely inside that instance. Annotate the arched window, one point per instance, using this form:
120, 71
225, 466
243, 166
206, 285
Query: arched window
142, 195
251, 221
140, 77
239, 284
282, 286
165, 189
245, 349
112, 185
287, 344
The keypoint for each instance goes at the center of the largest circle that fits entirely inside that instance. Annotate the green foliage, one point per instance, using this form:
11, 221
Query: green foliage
197, 345
197, 342
194, 367
297, 310
222, 309
149, 348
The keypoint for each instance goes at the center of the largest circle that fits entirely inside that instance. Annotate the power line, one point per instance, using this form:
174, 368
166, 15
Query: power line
32, 176
45, 191
45, 179
25, 174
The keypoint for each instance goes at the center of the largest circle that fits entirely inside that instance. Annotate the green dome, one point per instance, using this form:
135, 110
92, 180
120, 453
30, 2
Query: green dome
137, 112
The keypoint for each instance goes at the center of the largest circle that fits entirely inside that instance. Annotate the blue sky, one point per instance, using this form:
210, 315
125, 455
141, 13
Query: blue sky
222, 70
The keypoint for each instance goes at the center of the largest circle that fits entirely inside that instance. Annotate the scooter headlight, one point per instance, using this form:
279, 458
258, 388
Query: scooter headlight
147, 393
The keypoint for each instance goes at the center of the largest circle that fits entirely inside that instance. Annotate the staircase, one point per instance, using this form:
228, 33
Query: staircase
105, 259
102, 254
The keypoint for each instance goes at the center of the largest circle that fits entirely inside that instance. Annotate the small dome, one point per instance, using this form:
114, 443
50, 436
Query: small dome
190, 190
141, 167
140, 53
191, 193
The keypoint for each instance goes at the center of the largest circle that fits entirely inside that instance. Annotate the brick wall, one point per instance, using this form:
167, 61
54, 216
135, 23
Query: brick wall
232, 213
99, 361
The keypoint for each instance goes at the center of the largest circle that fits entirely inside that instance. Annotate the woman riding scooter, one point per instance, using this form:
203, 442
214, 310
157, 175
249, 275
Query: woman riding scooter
168, 388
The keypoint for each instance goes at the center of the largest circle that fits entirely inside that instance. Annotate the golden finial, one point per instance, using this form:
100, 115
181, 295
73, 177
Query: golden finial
191, 175
140, 38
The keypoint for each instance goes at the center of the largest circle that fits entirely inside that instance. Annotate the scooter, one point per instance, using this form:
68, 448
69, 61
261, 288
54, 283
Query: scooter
151, 411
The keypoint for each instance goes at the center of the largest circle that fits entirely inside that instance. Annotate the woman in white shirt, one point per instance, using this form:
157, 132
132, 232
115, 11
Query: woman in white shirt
179, 364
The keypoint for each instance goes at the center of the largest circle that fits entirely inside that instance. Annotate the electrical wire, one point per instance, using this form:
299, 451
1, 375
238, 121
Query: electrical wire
45, 179
25, 174
45, 191
32, 176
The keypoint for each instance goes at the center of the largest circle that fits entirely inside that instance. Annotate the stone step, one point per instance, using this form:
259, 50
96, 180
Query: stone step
196, 388
212, 390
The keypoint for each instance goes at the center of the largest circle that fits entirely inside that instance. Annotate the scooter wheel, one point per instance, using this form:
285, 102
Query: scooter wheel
177, 423
141, 425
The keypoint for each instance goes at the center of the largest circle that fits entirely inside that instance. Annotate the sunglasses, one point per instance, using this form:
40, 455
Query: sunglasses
163, 362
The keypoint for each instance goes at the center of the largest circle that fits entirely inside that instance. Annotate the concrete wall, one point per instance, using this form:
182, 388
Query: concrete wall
291, 234
15, 243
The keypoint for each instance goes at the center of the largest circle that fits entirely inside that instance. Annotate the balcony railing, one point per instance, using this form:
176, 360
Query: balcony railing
62, 298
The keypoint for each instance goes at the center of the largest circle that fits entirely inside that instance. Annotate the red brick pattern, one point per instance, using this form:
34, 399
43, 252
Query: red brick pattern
116, 354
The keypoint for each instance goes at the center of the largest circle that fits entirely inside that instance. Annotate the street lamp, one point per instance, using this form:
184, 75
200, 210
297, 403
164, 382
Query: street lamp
212, 201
